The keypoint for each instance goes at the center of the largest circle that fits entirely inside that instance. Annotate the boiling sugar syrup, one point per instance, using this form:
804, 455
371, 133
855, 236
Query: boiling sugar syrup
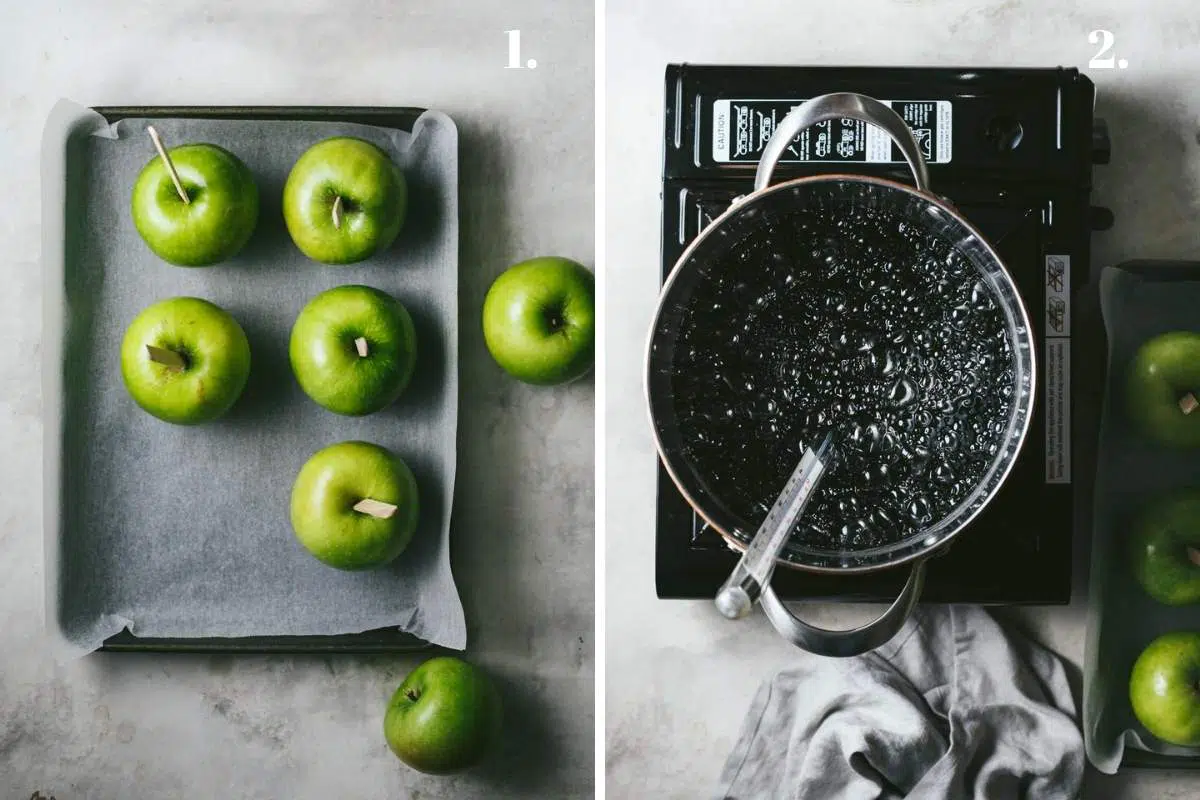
865, 324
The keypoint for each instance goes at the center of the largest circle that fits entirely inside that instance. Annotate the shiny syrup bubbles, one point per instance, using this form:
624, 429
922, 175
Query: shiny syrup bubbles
865, 323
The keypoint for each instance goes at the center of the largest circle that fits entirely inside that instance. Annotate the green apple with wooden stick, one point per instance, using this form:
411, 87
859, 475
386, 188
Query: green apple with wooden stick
355, 506
353, 349
1163, 389
344, 201
194, 205
185, 360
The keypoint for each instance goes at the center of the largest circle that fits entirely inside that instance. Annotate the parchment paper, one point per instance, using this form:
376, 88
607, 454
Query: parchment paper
183, 531
1140, 300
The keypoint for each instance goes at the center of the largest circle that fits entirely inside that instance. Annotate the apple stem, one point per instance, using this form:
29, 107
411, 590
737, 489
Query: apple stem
554, 319
1188, 403
411, 694
360, 344
168, 358
337, 212
375, 508
162, 152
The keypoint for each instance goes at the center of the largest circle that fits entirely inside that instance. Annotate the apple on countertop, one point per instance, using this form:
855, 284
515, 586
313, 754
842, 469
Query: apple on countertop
194, 205
185, 360
355, 505
344, 201
444, 716
539, 320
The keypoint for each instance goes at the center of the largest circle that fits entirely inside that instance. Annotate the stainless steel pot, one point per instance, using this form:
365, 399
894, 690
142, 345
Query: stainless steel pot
746, 219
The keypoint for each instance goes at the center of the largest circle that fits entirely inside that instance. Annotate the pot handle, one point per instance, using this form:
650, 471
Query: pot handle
842, 105
825, 642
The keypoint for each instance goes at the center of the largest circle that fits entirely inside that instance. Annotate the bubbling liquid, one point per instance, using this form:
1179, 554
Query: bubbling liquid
864, 324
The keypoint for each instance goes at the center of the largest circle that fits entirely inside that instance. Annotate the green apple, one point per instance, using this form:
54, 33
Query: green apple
355, 506
1166, 549
539, 320
344, 201
443, 717
1164, 688
1163, 388
220, 214
353, 349
185, 360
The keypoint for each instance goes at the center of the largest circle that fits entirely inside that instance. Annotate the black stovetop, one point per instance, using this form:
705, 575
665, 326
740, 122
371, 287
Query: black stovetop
1011, 148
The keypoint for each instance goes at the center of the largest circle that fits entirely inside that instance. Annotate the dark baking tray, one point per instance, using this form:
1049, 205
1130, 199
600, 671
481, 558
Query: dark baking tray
1167, 270
384, 640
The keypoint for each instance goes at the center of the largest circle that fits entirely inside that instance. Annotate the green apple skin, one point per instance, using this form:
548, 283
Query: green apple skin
217, 221
215, 350
374, 201
1165, 549
444, 717
326, 362
331, 482
1164, 369
539, 320
1164, 688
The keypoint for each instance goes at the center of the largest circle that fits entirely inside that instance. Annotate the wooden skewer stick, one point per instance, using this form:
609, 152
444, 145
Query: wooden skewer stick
1193, 555
162, 152
168, 358
337, 212
375, 508
1188, 403
360, 344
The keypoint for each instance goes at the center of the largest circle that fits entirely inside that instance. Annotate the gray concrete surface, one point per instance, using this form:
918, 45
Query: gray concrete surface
679, 678
121, 726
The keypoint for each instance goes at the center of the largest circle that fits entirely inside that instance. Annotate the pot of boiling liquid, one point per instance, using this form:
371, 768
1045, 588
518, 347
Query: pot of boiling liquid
850, 307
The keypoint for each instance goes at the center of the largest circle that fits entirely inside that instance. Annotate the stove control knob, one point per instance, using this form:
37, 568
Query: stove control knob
1101, 148
1100, 218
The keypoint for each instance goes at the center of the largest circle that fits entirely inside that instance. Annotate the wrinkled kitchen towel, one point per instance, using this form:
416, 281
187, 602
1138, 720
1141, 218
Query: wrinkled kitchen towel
952, 708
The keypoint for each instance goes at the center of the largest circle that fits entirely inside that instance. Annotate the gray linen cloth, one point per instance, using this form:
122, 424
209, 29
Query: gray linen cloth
953, 707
